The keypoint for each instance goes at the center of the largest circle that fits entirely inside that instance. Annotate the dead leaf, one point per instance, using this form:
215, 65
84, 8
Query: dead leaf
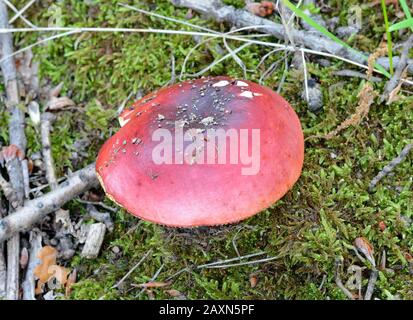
56, 104
364, 246
70, 281
174, 293
30, 166
153, 284
382, 226
47, 256
253, 281
59, 273
261, 9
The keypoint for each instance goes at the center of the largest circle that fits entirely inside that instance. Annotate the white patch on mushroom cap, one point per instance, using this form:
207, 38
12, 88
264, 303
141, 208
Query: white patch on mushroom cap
247, 94
221, 83
207, 121
257, 94
125, 117
242, 84
123, 121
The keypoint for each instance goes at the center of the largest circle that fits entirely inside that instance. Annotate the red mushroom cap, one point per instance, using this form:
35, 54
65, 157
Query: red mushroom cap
184, 191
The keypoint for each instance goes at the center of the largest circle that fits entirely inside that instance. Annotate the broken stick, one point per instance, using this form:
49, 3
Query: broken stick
17, 137
389, 168
241, 18
36, 209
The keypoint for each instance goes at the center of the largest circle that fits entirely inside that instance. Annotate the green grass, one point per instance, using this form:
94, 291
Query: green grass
408, 22
311, 227
388, 34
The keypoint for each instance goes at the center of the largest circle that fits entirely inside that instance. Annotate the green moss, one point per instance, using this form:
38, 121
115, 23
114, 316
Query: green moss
307, 230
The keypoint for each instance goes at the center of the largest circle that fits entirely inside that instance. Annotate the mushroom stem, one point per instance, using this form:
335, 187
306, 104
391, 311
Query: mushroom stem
36, 209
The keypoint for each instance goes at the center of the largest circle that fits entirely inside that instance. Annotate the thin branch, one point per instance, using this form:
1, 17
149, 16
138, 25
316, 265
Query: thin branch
239, 17
17, 137
28, 284
220, 266
3, 265
101, 204
36, 209
152, 279
19, 14
45, 127
21, 11
340, 284
355, 74
371, 285
395, 79
307, 98
132, 270
390, 167
73, 30
230, 260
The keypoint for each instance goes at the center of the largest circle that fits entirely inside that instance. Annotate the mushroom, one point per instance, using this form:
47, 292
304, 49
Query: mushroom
204, 152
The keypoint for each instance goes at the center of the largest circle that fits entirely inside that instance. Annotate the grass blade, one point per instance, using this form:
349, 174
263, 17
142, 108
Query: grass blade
388, 34
405, 8
408, 23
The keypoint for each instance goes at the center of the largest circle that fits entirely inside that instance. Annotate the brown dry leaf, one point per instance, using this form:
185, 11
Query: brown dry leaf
47, 256
59, 273
70, 281
30, 166
366, 98
56, 104
261, 9
153, 284
48, 269
39, 288
364, 246
253, 281
382, 226
174, 293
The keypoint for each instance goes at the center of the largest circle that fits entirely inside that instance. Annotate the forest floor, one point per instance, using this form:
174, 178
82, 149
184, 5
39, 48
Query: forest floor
311, 230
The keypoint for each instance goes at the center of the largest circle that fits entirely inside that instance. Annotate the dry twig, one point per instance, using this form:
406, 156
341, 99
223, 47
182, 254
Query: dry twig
36, 209
17, 138
340, 284
242, 18
28, 284
372, 282
131, 270
389, 168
